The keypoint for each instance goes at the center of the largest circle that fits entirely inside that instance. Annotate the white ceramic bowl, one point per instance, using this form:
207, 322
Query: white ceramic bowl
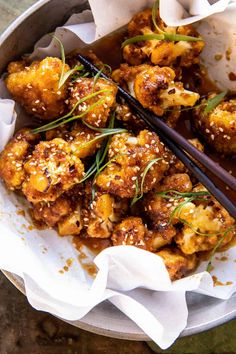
204, 312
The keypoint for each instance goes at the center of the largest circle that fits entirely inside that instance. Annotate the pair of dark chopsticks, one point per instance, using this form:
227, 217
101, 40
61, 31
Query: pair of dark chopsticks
183, 149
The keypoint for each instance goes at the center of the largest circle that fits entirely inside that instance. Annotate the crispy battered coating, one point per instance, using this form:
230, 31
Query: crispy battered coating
129, 119
131, 231
160, 52
71, 224
176, 166
129, 156
52, 170
50, 213
159, 209
79, 137
105, 213
98, 114
14, 156
218, 128
35, 87
155, 89
177, 263
161, 235
205, 223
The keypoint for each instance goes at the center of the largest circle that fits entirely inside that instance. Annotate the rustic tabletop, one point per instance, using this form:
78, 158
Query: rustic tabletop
24, 330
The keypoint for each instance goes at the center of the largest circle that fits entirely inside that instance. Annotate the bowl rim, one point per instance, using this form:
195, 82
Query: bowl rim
19, 283
188, 331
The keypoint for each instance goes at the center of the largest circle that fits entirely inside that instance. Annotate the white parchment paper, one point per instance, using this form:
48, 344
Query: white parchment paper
135, 281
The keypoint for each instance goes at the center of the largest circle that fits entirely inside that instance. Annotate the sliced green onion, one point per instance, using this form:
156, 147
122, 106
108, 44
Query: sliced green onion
213, 102
171, 193
63, 59
66, 75
160, 37
217, 246
139, 193
154, 16
60, 121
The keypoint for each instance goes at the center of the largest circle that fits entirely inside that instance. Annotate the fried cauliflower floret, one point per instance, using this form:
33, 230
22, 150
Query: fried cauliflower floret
128, 118
159, 209
50, 213
80, 138
129, 157
161, 235
36, 87
104, 212
204, 225
131, 231
160, 52
176, 166
177, 263
218, 127
97, 113
52, 170
14, 156
155, 89
72, 224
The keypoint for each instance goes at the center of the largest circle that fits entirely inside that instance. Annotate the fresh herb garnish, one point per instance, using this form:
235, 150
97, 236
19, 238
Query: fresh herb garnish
217, 246
160, 37
97, 76
213, 102
139, 190
105, 132
154, 16
65, 75
69, 116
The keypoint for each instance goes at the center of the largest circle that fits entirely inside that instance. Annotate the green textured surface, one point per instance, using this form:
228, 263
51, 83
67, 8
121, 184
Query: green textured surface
10, 9
26, 331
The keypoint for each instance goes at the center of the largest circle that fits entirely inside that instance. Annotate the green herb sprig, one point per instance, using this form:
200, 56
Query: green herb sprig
213, 102
140, 190
69, 116
105, 132
65, 75
217, 246
188, 198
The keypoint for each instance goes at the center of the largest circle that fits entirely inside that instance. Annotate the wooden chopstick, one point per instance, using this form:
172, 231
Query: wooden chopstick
175, 142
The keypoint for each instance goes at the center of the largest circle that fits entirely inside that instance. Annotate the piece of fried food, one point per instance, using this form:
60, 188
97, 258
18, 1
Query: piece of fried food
72, 224
155, 89
129, 157
14, 156
159, 209
83, 141
50, 213
36, 87
205, 224
95, 110
104, 213
52, 170
218, 127
131, 231
160, 52
177, 263
129, 119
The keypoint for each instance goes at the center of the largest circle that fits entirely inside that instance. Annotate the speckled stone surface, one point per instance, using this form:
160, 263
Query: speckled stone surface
24, 330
